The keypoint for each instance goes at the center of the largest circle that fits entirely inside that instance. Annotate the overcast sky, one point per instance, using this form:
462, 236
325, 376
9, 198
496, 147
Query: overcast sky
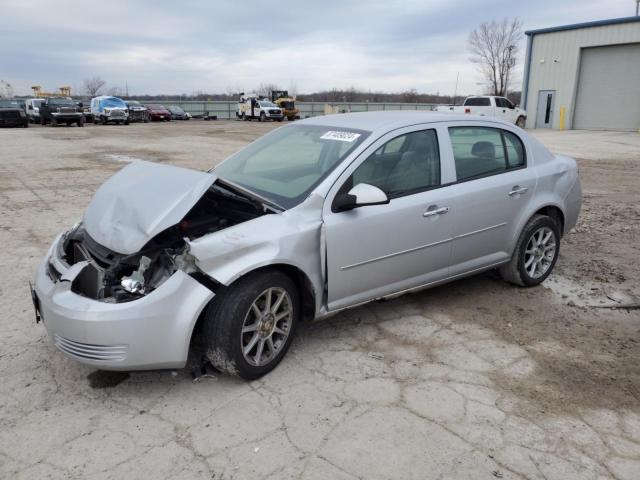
160, 46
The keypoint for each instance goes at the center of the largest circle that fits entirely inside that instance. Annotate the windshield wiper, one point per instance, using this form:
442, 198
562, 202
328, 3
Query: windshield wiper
241, 192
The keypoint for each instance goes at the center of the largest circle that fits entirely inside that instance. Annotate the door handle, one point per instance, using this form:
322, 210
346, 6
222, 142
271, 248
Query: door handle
434, 210
518, 190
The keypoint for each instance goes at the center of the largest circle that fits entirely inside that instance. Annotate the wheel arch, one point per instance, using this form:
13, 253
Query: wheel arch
300, 279
553, 211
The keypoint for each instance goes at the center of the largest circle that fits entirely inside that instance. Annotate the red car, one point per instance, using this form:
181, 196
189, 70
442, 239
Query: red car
158, 112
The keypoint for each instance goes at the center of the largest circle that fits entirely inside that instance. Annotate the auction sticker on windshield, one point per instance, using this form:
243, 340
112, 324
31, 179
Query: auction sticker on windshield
340, 136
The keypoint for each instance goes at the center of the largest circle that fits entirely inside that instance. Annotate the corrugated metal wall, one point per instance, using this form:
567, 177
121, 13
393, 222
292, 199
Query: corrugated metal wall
555, 63
227, 110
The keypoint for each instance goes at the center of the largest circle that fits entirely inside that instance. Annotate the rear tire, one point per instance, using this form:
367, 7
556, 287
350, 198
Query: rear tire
250, 325
535, 254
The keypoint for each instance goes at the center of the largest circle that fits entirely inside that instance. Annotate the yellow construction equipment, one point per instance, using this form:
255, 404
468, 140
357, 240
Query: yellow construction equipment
39, 93
282, 99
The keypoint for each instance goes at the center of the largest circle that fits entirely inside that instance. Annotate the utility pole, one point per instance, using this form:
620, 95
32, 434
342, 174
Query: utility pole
455, 92
637, 7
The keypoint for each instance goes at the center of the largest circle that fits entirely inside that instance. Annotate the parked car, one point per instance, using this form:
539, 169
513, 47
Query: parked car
12, 114
137, 111
177, 113
266, 240
33, 109
158, 113
105, 109
58, 110
490, 106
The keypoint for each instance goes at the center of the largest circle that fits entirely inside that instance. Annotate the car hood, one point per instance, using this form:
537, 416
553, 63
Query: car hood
140, 201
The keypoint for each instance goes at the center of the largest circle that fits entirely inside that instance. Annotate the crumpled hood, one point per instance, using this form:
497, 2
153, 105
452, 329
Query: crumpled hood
140, 201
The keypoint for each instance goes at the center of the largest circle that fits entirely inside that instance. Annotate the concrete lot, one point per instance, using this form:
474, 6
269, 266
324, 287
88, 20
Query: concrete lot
475, 379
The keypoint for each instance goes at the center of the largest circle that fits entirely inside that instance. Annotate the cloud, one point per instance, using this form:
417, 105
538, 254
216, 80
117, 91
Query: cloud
179, 47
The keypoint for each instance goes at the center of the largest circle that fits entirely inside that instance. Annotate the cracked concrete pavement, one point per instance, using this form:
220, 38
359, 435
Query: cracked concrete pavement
475, 379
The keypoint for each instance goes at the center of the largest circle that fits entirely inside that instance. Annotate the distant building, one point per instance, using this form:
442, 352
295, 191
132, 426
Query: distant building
584, 76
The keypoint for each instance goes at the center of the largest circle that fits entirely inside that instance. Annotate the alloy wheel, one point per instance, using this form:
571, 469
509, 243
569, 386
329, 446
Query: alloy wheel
540, 252
266, 326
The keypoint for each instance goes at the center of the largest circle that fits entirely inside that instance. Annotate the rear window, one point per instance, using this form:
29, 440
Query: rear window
483, 151
477, 102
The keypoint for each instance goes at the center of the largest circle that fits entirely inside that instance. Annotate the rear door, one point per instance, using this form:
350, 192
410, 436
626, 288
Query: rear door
493, 187
376, 250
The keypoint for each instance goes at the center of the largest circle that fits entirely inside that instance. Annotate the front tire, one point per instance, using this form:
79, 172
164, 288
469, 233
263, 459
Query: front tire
521, 122
250, 325
535, 254
263, 117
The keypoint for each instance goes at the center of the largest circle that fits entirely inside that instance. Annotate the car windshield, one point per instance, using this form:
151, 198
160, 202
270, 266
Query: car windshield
264, 103
132, 103
285, 165
113, 102
37, 103
7, 103
61, 101
156, 107
176, 109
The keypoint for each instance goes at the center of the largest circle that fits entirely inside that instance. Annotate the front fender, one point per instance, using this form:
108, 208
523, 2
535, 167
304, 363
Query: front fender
288, 239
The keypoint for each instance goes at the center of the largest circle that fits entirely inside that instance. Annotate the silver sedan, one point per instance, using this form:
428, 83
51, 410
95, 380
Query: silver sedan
315, 217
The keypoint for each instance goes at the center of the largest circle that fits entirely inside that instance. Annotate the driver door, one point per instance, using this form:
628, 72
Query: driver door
381, 249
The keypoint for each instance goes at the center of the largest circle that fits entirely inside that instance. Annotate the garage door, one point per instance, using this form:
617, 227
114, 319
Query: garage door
609, 88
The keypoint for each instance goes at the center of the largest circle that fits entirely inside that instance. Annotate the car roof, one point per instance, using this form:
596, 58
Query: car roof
393, 119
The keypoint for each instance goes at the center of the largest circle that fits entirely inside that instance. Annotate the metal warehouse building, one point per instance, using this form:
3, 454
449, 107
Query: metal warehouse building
584, 76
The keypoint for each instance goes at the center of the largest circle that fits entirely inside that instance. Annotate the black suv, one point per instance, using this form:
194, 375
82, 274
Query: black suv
12, 114
57, 110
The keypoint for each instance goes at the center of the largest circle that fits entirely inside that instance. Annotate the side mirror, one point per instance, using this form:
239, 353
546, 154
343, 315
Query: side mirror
361, 195
80, 104
30, 107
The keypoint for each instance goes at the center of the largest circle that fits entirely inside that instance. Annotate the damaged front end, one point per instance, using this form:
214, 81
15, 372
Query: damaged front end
109, 276
112, 277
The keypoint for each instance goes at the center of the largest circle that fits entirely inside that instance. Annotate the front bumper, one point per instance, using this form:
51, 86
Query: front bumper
13, 122
63, 117
152, 332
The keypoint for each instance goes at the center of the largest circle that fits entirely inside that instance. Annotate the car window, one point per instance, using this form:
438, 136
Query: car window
482, 151
477, 102
412, 164
501, 102
394, 146
515, 150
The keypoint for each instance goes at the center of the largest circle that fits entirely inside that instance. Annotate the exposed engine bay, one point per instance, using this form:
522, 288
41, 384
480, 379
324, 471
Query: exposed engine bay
114, 277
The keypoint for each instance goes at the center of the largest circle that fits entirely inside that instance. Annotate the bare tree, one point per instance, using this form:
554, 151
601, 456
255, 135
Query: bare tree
264, 89
115, 91
93, 85
494, 47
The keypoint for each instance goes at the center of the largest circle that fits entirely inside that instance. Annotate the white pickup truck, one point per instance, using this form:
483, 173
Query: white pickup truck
489, 106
